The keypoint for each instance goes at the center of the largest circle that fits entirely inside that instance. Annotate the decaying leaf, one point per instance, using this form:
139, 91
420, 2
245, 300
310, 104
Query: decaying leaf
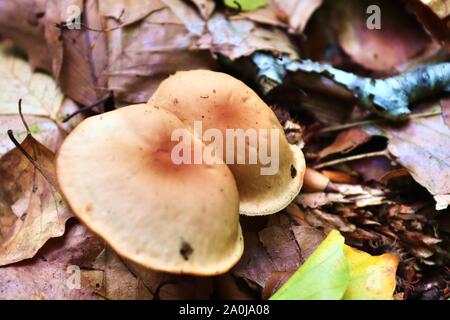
398, 38
137, 65
75, 56
346, 141
43, 104
29, 201
422, 146
56, 272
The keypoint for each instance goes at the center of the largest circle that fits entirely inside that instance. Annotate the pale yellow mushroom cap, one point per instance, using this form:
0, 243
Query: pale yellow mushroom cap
223, 102
116, 172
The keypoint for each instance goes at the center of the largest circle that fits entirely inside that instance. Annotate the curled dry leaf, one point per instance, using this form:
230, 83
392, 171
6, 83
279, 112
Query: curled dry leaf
422, 146
398, 39
30, 202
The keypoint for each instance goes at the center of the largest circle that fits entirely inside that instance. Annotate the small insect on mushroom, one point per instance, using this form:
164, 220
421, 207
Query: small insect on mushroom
230, 104
115, 171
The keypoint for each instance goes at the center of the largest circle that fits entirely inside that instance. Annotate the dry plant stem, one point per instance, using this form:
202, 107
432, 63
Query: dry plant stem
352, 158
25, 124
376, 121
87, 108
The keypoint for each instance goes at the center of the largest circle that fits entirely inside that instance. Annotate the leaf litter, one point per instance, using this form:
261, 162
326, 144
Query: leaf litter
385, 207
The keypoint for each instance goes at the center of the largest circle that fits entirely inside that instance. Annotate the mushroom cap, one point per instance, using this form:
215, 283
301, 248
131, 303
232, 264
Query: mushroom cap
223, 102
116, 172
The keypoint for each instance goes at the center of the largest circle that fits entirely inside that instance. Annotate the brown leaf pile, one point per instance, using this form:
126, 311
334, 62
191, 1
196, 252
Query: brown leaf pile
385, 186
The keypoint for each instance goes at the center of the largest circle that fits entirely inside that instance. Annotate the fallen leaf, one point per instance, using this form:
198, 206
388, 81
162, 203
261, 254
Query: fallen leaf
371, 277
346, 141
23, 22
31, 200
55, 273
336, 271
76, 57
127, 12
239, 38
41, 95
43, 104
83, 57
398, 39
143, 54
428, 163
325, 275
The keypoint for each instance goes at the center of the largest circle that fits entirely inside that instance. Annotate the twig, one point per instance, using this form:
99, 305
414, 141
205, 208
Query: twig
375, 121
352, 158
87, 108
25, 124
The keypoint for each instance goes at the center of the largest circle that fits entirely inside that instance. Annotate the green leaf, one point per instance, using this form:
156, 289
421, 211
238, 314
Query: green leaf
245, 5
336, 271
324, 276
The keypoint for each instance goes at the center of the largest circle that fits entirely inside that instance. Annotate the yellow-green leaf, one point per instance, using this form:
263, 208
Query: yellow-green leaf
371, 277
325, 274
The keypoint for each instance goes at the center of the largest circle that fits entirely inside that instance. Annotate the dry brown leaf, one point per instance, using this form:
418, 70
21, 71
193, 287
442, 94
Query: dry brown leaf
422, 146
346, 141
76, 58
145, 53
127, 12
238, 38
51, 274
399, 38
22, 21
31, 201
82, 75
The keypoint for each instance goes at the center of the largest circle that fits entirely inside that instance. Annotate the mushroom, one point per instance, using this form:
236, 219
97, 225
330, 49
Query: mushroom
116, 172
222, 102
